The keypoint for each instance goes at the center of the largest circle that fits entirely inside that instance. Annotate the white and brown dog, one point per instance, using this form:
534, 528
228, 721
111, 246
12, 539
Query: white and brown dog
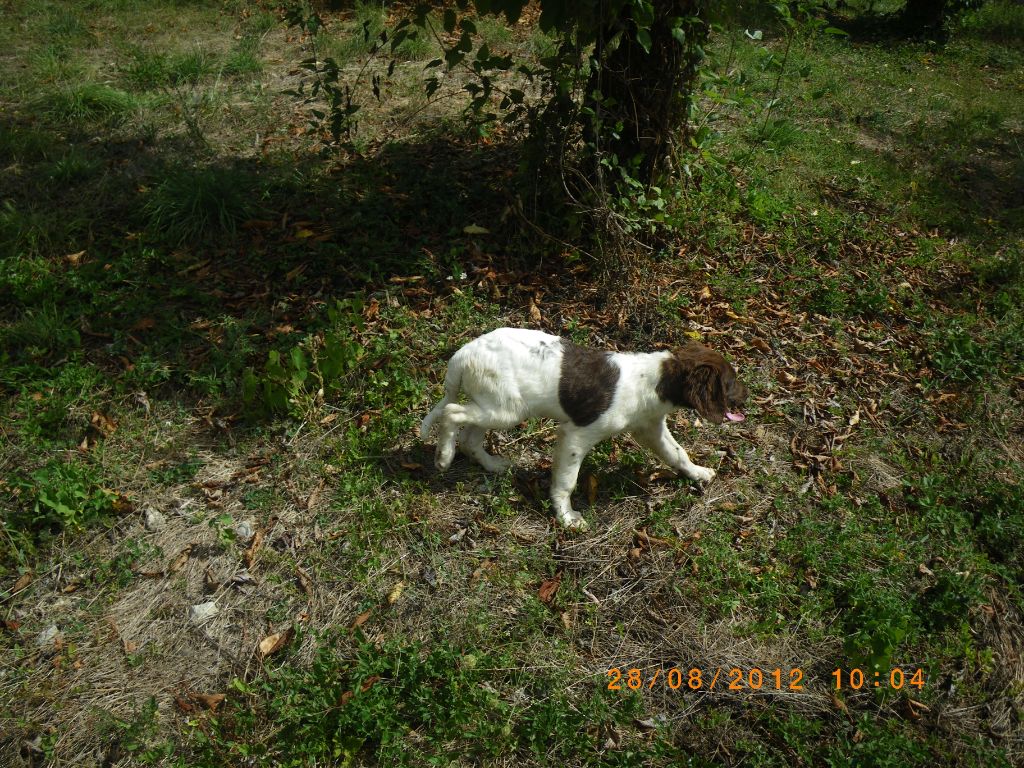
513, 374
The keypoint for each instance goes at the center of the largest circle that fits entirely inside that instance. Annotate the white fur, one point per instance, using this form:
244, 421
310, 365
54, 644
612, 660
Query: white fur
512, 374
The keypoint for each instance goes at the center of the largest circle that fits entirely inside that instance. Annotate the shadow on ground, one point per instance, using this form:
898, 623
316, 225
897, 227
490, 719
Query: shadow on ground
128, 248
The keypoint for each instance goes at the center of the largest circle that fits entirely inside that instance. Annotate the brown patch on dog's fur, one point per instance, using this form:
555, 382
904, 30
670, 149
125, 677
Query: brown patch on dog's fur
700, 378
586, 384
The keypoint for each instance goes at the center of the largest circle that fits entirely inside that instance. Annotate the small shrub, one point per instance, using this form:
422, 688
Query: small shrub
320, 366
59, 496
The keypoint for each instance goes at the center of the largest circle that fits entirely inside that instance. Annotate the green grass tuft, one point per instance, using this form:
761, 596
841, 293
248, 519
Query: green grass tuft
196, 204
88, 102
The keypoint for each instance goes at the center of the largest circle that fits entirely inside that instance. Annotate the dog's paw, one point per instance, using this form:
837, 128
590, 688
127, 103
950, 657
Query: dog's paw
443, 459
573, 521
496, 464
700, 474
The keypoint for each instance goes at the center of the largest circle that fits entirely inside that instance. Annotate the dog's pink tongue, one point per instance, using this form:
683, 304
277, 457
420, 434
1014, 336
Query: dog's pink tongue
734, 416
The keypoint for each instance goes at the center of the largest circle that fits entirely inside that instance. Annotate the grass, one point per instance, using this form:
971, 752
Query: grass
207, 313
88, 102
190, 204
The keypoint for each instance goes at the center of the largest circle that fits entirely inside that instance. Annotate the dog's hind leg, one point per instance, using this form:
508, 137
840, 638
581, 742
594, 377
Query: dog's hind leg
473, 421
471, 441
452, 385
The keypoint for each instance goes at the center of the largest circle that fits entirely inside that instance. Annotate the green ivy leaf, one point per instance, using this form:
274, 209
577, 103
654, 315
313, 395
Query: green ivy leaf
644, 38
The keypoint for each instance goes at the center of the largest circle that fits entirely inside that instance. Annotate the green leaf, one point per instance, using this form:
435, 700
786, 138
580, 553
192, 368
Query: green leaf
644, 38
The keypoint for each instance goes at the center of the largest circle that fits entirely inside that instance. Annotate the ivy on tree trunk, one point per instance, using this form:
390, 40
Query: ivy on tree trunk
641, 90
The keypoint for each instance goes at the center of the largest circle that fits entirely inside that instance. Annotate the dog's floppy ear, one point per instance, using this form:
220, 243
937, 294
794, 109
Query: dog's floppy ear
691, 378
706, 393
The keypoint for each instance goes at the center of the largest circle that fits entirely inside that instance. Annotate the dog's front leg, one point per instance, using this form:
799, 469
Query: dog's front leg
573, 444
656, 437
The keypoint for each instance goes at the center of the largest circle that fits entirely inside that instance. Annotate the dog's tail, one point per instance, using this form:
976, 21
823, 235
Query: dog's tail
452, 385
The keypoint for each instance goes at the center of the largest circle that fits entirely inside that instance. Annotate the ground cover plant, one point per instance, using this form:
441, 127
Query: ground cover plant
223, 544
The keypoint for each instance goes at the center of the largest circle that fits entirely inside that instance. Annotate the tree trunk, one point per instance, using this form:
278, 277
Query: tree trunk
923, 16
641, 99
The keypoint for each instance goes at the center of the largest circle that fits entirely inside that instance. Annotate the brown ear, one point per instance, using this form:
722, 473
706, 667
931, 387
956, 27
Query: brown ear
706, 393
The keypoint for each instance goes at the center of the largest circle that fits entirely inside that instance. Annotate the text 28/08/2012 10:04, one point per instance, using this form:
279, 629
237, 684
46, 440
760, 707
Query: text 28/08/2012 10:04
755, 679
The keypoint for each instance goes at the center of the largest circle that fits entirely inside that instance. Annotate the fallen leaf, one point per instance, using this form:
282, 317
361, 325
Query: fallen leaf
183, 704
412, 466
481, 569
786, 378
362, 618
249, 555
74, 259
275, 642
839, 704
209, 700
103, 423
367, 684
548, 588
535, 315
22, 582
475, 229
314, 495
305, 581
705, 293
178, 562
396, 592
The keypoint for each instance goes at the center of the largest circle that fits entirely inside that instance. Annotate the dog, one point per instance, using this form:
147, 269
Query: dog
513, 374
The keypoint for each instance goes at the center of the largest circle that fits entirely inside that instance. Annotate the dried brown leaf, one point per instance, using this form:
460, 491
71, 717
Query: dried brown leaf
23, 581
249, 555
549, 587
275, 642
362, 618
305, 580
179, 561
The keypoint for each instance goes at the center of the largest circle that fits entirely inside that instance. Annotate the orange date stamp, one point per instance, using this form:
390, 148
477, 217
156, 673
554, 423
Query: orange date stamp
756, 679
695, 679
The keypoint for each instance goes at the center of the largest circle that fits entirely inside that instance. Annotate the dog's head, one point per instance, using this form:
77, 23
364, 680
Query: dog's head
700, 378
